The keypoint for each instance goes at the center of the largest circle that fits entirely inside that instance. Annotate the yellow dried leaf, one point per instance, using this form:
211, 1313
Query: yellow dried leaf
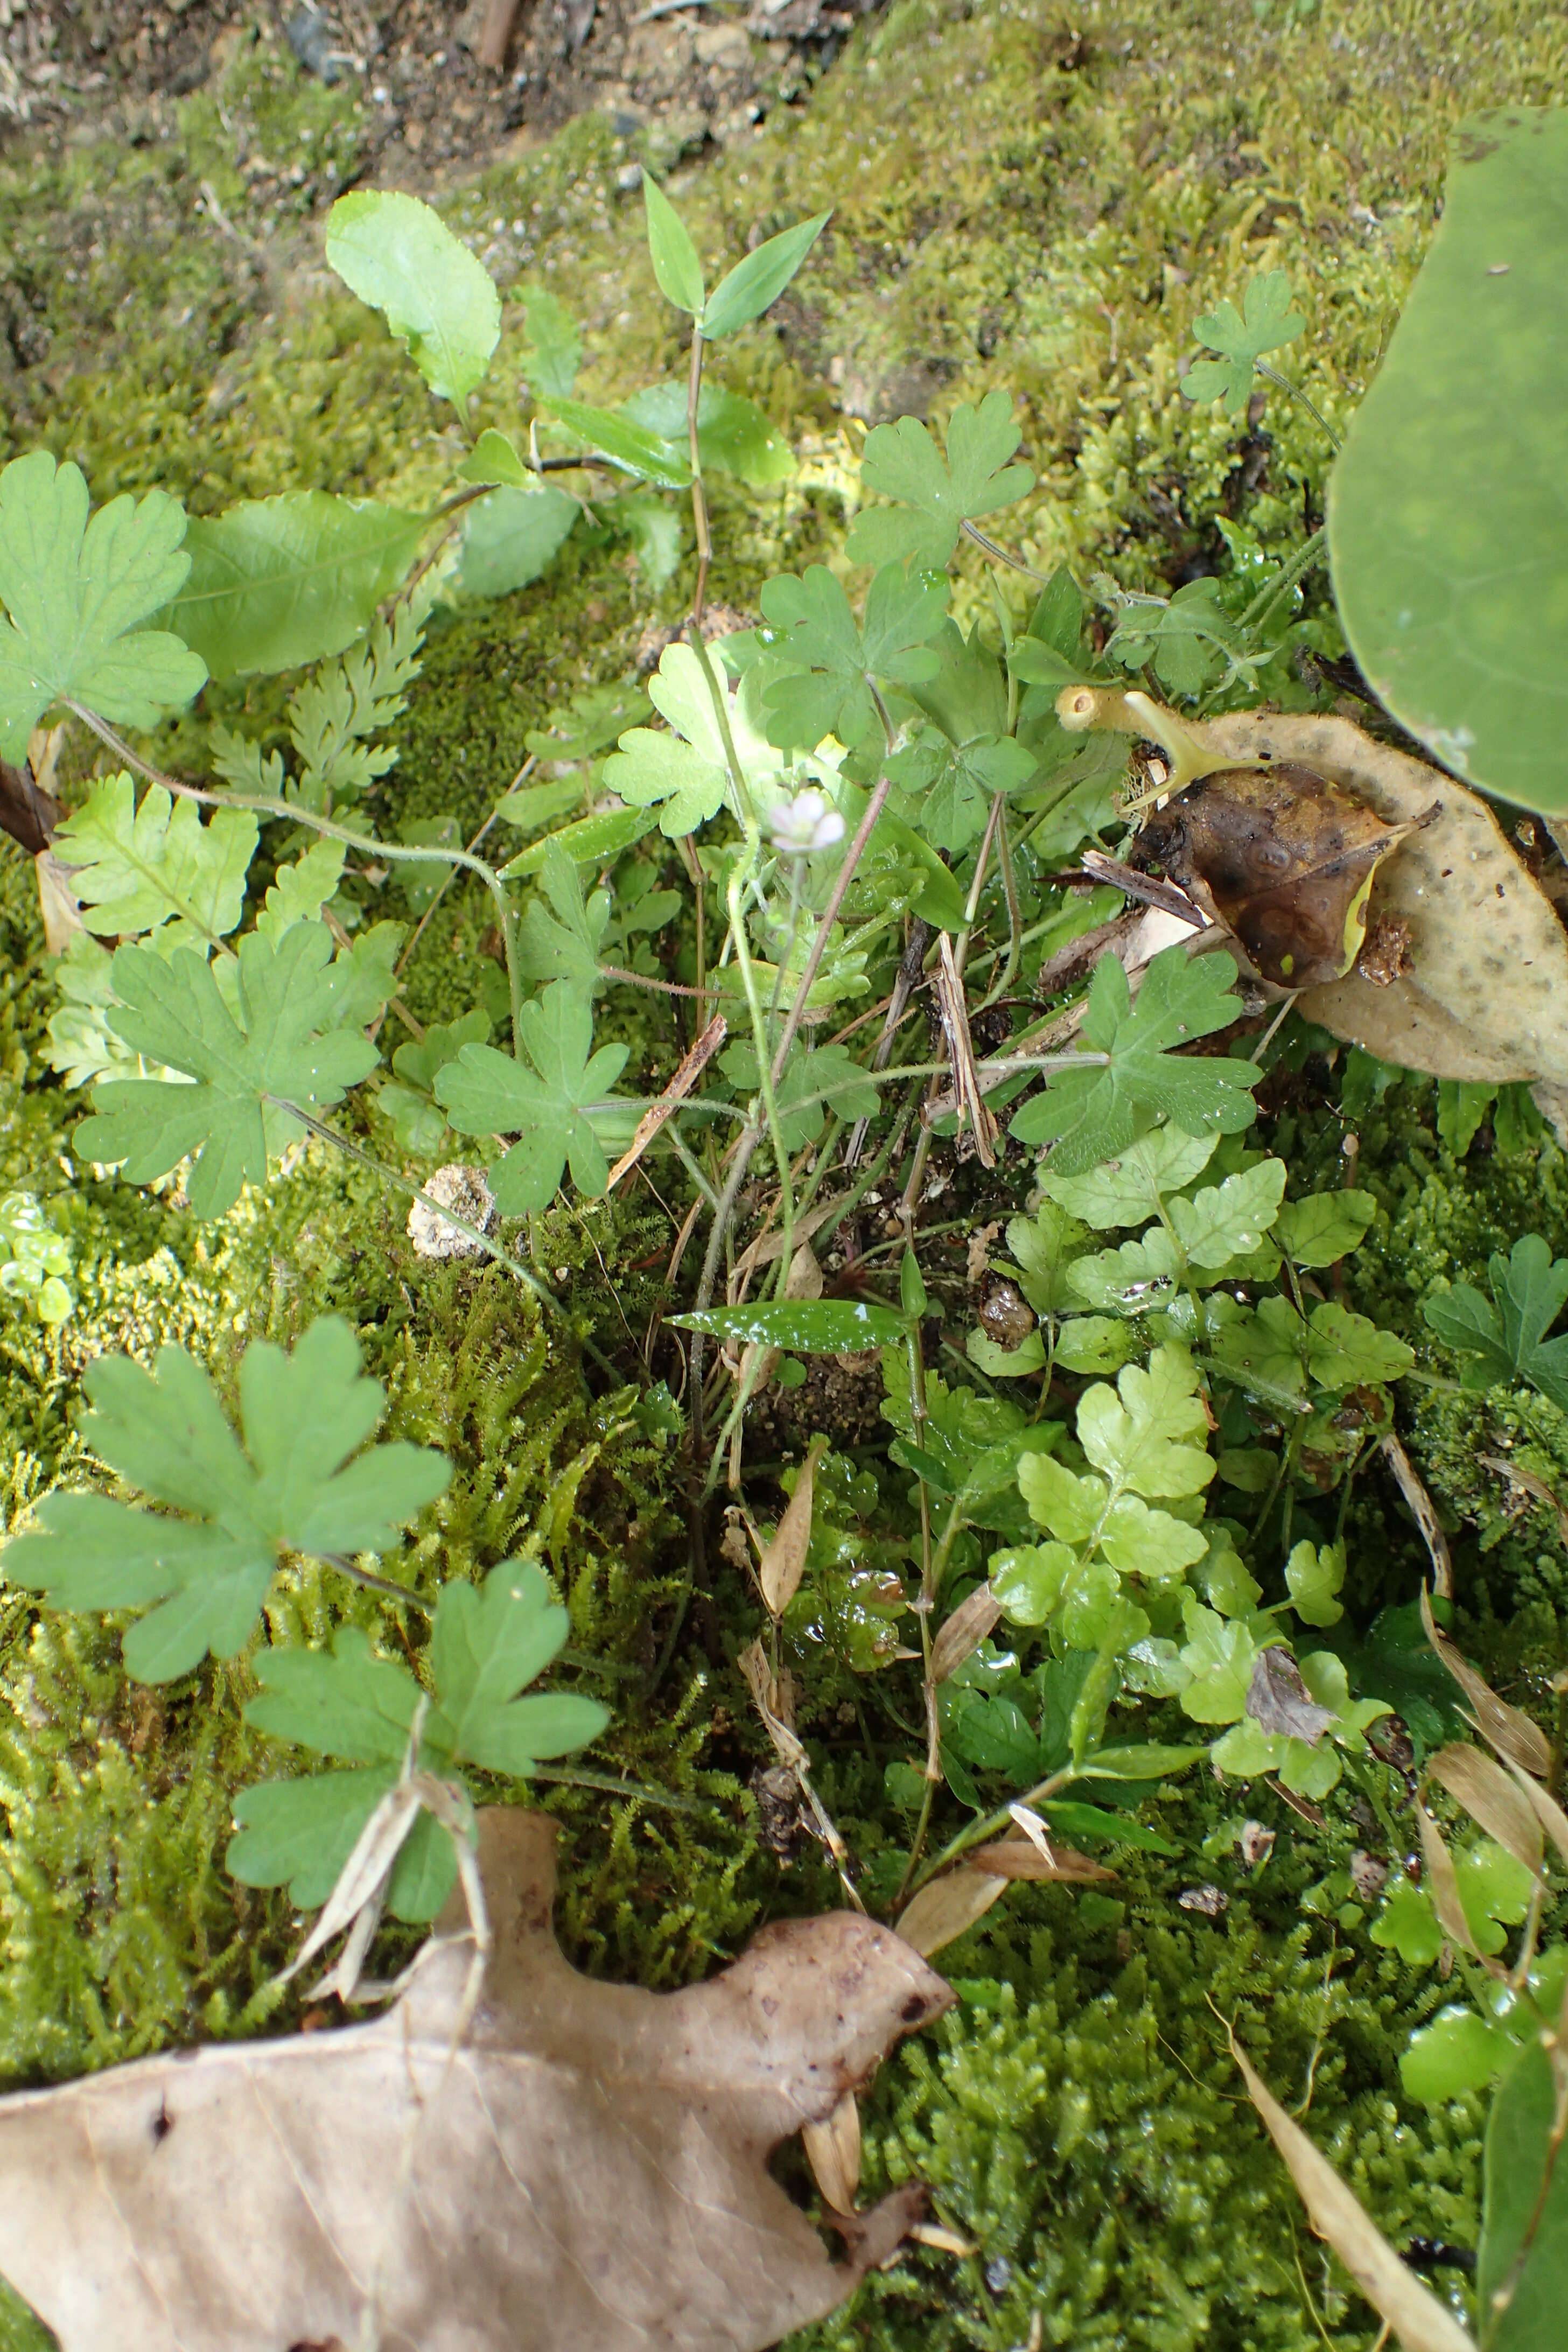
833, 2151
965, 1630
1515, 1737
1413, 2313
783, 1563
949, 1905
1473, 1780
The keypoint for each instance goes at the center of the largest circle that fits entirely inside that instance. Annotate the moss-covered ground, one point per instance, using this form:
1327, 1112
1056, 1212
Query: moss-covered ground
1025, 196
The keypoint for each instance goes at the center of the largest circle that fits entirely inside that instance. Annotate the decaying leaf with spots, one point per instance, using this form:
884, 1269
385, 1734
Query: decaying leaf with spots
1469, 976
588, 2168
1283, 857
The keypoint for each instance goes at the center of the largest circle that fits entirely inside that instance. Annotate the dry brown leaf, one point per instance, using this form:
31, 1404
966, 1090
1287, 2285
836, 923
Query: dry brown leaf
1546, 1809
57, 901
1487, 996
684, 1078
950, 1904
965, 1630
1424, 1512
1282, 857
1475, 1780
1515, 1737
1443, 1886
1020, 1857
1413, 2313
558, 2184
783, 1563
1278, 1700
833, 2151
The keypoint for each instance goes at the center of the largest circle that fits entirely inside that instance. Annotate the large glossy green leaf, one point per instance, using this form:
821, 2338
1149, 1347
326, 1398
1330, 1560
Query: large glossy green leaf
1525, 2214
399, 255
276, 581
814, 1327
1446, 523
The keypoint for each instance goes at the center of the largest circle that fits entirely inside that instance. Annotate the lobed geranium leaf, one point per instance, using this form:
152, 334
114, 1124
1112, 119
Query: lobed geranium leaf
1093, 1114
399, 255
289, 1484
486, 1093
1268, 318
1128, 1190
834, 658
1324, 1227
1313, 1576
903, 461
140, 868
1228, 1220
1139, 1434
77, 592
271, 1048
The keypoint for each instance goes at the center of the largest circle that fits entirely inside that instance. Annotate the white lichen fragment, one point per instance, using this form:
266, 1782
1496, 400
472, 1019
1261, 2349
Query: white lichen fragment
463, 1190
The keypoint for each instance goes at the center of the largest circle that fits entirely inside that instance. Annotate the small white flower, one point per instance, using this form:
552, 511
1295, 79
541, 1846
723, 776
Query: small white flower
808, 822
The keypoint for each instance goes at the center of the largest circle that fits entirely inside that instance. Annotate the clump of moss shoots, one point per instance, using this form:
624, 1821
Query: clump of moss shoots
1036, 215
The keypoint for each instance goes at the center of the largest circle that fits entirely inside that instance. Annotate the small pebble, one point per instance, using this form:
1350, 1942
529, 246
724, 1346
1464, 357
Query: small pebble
463, 1190
1206, 1899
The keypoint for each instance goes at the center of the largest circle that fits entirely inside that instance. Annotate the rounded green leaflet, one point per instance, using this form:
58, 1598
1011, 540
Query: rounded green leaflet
399, 255
1446, 538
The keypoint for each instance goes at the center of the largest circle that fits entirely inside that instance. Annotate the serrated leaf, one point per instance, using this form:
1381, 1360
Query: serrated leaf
565, 946
345, 1701
76, 593
948, 788
627, 446
1093, 1114
809, 1326
1135, 1278
1094, 1343
486, 1093
1220, 1656
1139, 1541
487, 1643
436, 296
811, 1087
1324, 1227
1029, 1579
1044, 1247
299, 891
1268, 318
290, 1486
171, 1012
828, 692
1263, 1351
903, 461
755, 284
554, 350
296, 578
1069, 1506
511, 537
137, 868
1186, 636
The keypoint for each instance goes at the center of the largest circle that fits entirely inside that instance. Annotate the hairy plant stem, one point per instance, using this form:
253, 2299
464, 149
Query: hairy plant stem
698, 494
397, 853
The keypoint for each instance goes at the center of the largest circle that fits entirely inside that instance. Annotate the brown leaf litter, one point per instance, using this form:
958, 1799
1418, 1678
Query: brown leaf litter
588, 2173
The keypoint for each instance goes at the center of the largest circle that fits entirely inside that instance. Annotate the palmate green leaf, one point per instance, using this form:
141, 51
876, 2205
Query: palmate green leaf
1135, 1278
511, 537
1525, 2211
418, 1120
812, 1086
674, 256
1444, 533
299, 891
1094, 1114
1529, 1288
1043, 1247
486, 1644
755, 284
1324, 1227
1313, 1576
76, 592
171, 1012
290, 1487
1185, 638
834, 657
1128, 1190
903, 461
486, 1093
654, 771
1346, 1351
566, 946
1230, 1221
807, 1326
1142, 1434
1268, 318
399, 255
138, 868
1094, 1343
947, 789
296, 578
